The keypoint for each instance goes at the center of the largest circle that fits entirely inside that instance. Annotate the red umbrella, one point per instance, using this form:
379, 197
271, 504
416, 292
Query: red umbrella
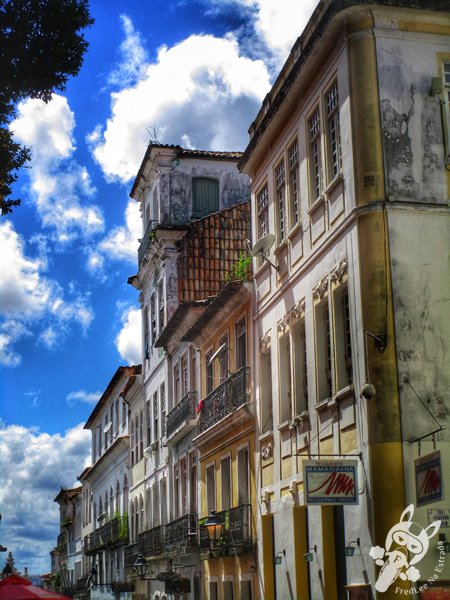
14, 587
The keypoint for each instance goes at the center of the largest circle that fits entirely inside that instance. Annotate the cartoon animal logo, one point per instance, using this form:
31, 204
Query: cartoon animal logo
407, 543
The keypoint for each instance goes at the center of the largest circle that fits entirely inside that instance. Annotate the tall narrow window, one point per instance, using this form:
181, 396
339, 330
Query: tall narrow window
146, 334
323, 349
284, 367
184, 375
193, 369
300, 364
161, 304
280, 184
262, 200
265, 390
176, 490
176, 384
333, 132
205, 196
156, 505
137, 432
243, 476
162, 397
315, 158
155, 416
141, 434
225, 476
211, 488
193, 482
241, 344
125, 496
294, 187
223, 358
132, 435
209, 372
228, 590
343, 342
152, 320
183, 485
148, 415
163, 495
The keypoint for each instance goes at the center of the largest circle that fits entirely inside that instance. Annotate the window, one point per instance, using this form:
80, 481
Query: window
162, 396
213, 590
228, 590
125, 495
315, 157
193, 369
152, 320
132, 434
323, 349
124, 414
118, 497
155, 416
280, 187
265, 377
294, 186
333, 132
176, 384
343, 342
160, 306
193, 482
146, 334
205, 196
111, 502
223, 358
136, 439
156, 505
184, 375
262, 200
176, 490
300, 367
183, 485
116, 424
225, 476
163, 494
148, 415
243, 476
241, 344
284, 369
211, 488
141, 434
209, 372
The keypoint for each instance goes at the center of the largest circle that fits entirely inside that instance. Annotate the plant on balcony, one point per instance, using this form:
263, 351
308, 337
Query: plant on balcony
239, 271
123, 528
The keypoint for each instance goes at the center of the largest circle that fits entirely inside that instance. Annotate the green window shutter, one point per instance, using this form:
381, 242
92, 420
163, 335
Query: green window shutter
205, 196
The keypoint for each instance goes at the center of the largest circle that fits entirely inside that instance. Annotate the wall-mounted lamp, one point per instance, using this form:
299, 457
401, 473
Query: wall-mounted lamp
309, 555
214, 526
445, 543
279, 557
140, 566
350, 550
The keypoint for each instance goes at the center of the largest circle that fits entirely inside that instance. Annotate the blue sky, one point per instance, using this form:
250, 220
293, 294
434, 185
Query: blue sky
190, 72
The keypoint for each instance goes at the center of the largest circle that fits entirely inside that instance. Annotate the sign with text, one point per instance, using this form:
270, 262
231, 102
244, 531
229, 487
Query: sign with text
428, 475
439, 514
331, 481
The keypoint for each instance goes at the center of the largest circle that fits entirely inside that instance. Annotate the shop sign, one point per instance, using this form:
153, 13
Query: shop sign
331, 482
428, 474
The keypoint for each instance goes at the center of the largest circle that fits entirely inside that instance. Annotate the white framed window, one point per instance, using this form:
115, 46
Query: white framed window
228, 587
280, 195
262, 203
284, 380
342, 337
223, 358
213, 589
225, 481
176, 384
294, 184
315, 155
209, 371
162, 399
323, 349
152, 320
246, 588
155, 416
241, 343
184, 375
265, 390
211, 487
161, 306
333, 134
243, 475
300, 363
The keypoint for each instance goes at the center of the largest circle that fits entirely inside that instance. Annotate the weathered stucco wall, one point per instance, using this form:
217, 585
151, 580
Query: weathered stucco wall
419, 243
411, 118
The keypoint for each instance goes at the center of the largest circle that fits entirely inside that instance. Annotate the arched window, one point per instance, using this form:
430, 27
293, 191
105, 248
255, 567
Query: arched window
205, 196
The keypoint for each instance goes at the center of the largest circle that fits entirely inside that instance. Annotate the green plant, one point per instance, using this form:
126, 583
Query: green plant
240, 268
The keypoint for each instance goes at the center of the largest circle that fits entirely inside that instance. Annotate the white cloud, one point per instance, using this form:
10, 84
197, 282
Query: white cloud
122, 243
133, 56
128, 340
30, 302
83, 396
59, 185
29, 485
202, 88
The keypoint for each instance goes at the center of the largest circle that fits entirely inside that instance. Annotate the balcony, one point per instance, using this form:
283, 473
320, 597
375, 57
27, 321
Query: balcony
151, 542
181, 535
236, 537
62, 541
147, 239
113, 533
225, 399
130, 554
182, 418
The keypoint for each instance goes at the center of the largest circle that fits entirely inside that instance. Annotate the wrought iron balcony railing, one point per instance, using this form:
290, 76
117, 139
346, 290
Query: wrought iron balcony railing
130, 554
113, 533
62, 540
236, 536
147, 239
225, 399
182, 416
181, 534
151, 542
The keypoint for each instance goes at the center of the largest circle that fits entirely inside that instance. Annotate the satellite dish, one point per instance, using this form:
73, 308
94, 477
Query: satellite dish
107, 427
263, 245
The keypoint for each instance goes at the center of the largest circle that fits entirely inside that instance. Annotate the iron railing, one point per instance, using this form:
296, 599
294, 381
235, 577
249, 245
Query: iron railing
113, 533
225, 399
130, 554
146, 240
62, 540
236, 536
151, 542
181, 534
183, 412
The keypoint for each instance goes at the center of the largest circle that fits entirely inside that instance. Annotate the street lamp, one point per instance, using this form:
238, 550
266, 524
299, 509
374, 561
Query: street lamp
309, 554
140, 565
214, 526
350, 550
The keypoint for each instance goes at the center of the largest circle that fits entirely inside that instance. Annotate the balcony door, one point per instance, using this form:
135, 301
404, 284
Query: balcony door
243, 476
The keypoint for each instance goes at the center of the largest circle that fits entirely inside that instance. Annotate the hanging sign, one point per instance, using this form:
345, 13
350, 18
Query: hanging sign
331, 481
428, 475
